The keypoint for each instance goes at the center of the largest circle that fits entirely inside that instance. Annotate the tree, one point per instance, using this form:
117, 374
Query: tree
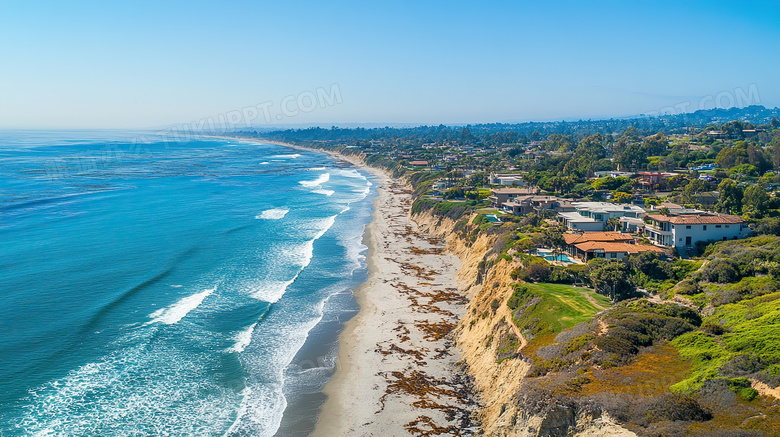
730, 200
768, 226
755, 201
692, 191
610, 183
613, 279
621, 197
613, 223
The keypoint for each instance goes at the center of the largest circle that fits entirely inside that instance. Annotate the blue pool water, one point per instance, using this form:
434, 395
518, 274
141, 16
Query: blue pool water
152, 287
562, 258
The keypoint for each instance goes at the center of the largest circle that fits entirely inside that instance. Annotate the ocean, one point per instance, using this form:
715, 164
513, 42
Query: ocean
158, 287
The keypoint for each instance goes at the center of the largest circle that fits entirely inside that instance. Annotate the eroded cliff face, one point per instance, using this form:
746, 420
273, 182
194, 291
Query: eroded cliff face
490, 343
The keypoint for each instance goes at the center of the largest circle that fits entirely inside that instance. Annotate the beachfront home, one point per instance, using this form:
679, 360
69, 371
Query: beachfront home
593, 216
609, 245
616, 251
687, 229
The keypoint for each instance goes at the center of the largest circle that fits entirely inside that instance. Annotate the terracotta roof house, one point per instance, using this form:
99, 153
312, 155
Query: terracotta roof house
609, 250
688, 229
614, 237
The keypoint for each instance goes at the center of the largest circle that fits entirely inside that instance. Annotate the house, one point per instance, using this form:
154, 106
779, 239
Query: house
593, 216
506, 179
631, 224
584, 237
617, 251
614, 174
501, 195
523, 205
688, 229
651, 179
610, 245
419, 163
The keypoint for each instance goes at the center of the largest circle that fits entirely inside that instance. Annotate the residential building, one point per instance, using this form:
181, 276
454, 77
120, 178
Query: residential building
593, 216
609, 245
501, 195
617, 251
506, 179
688, 229
523, 205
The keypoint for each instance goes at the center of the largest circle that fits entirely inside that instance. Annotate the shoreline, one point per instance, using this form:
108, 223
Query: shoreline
397, 370
400, 338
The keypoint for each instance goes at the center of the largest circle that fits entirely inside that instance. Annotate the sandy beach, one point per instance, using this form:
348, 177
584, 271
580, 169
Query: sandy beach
396, 373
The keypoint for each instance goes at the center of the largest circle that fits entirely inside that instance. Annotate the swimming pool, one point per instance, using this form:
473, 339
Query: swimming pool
562, 258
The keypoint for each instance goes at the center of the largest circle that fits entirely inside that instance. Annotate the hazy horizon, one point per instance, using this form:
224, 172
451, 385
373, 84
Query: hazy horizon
90, 65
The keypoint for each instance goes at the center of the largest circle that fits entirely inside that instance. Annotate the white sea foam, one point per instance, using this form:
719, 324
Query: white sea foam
317, 182
147, 389
298, 256
264, 163
316, 169
243, 338
290, 156
349, 173
325, 192
176, 285
172, 314
271, 291
272, 214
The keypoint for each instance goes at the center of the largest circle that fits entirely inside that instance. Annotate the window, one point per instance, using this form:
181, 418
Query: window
717, 226
705, 227
688, 227
727, 226
613, 255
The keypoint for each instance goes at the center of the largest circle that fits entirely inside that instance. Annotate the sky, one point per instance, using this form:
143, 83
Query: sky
98, 64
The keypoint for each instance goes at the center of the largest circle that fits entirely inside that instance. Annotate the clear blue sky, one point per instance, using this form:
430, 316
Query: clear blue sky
138, 64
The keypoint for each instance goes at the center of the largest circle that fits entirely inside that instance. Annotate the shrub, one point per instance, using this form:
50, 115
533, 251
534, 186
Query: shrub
494, 304
674, 407
720, 270
538, 272
687, 287
519, 297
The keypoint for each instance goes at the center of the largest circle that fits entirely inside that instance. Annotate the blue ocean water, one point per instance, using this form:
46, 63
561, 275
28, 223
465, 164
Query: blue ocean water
153, 287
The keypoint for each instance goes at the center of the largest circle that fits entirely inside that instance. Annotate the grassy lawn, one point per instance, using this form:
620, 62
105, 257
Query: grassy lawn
564, 306
555, 307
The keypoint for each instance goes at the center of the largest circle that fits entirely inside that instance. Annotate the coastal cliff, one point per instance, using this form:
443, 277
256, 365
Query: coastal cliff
491, 344
489, 341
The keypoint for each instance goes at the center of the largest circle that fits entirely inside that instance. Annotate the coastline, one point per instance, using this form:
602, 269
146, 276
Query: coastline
397, 370
397, 367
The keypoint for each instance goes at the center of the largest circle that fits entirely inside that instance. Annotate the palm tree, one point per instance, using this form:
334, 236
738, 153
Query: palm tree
613, 223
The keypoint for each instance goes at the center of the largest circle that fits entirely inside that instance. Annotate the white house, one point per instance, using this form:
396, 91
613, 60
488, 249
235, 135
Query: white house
506, 179
688, 229
593, 216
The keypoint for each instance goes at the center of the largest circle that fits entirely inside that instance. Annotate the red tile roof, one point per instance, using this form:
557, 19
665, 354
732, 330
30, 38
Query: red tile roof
697, 219
596, 236
609, 247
